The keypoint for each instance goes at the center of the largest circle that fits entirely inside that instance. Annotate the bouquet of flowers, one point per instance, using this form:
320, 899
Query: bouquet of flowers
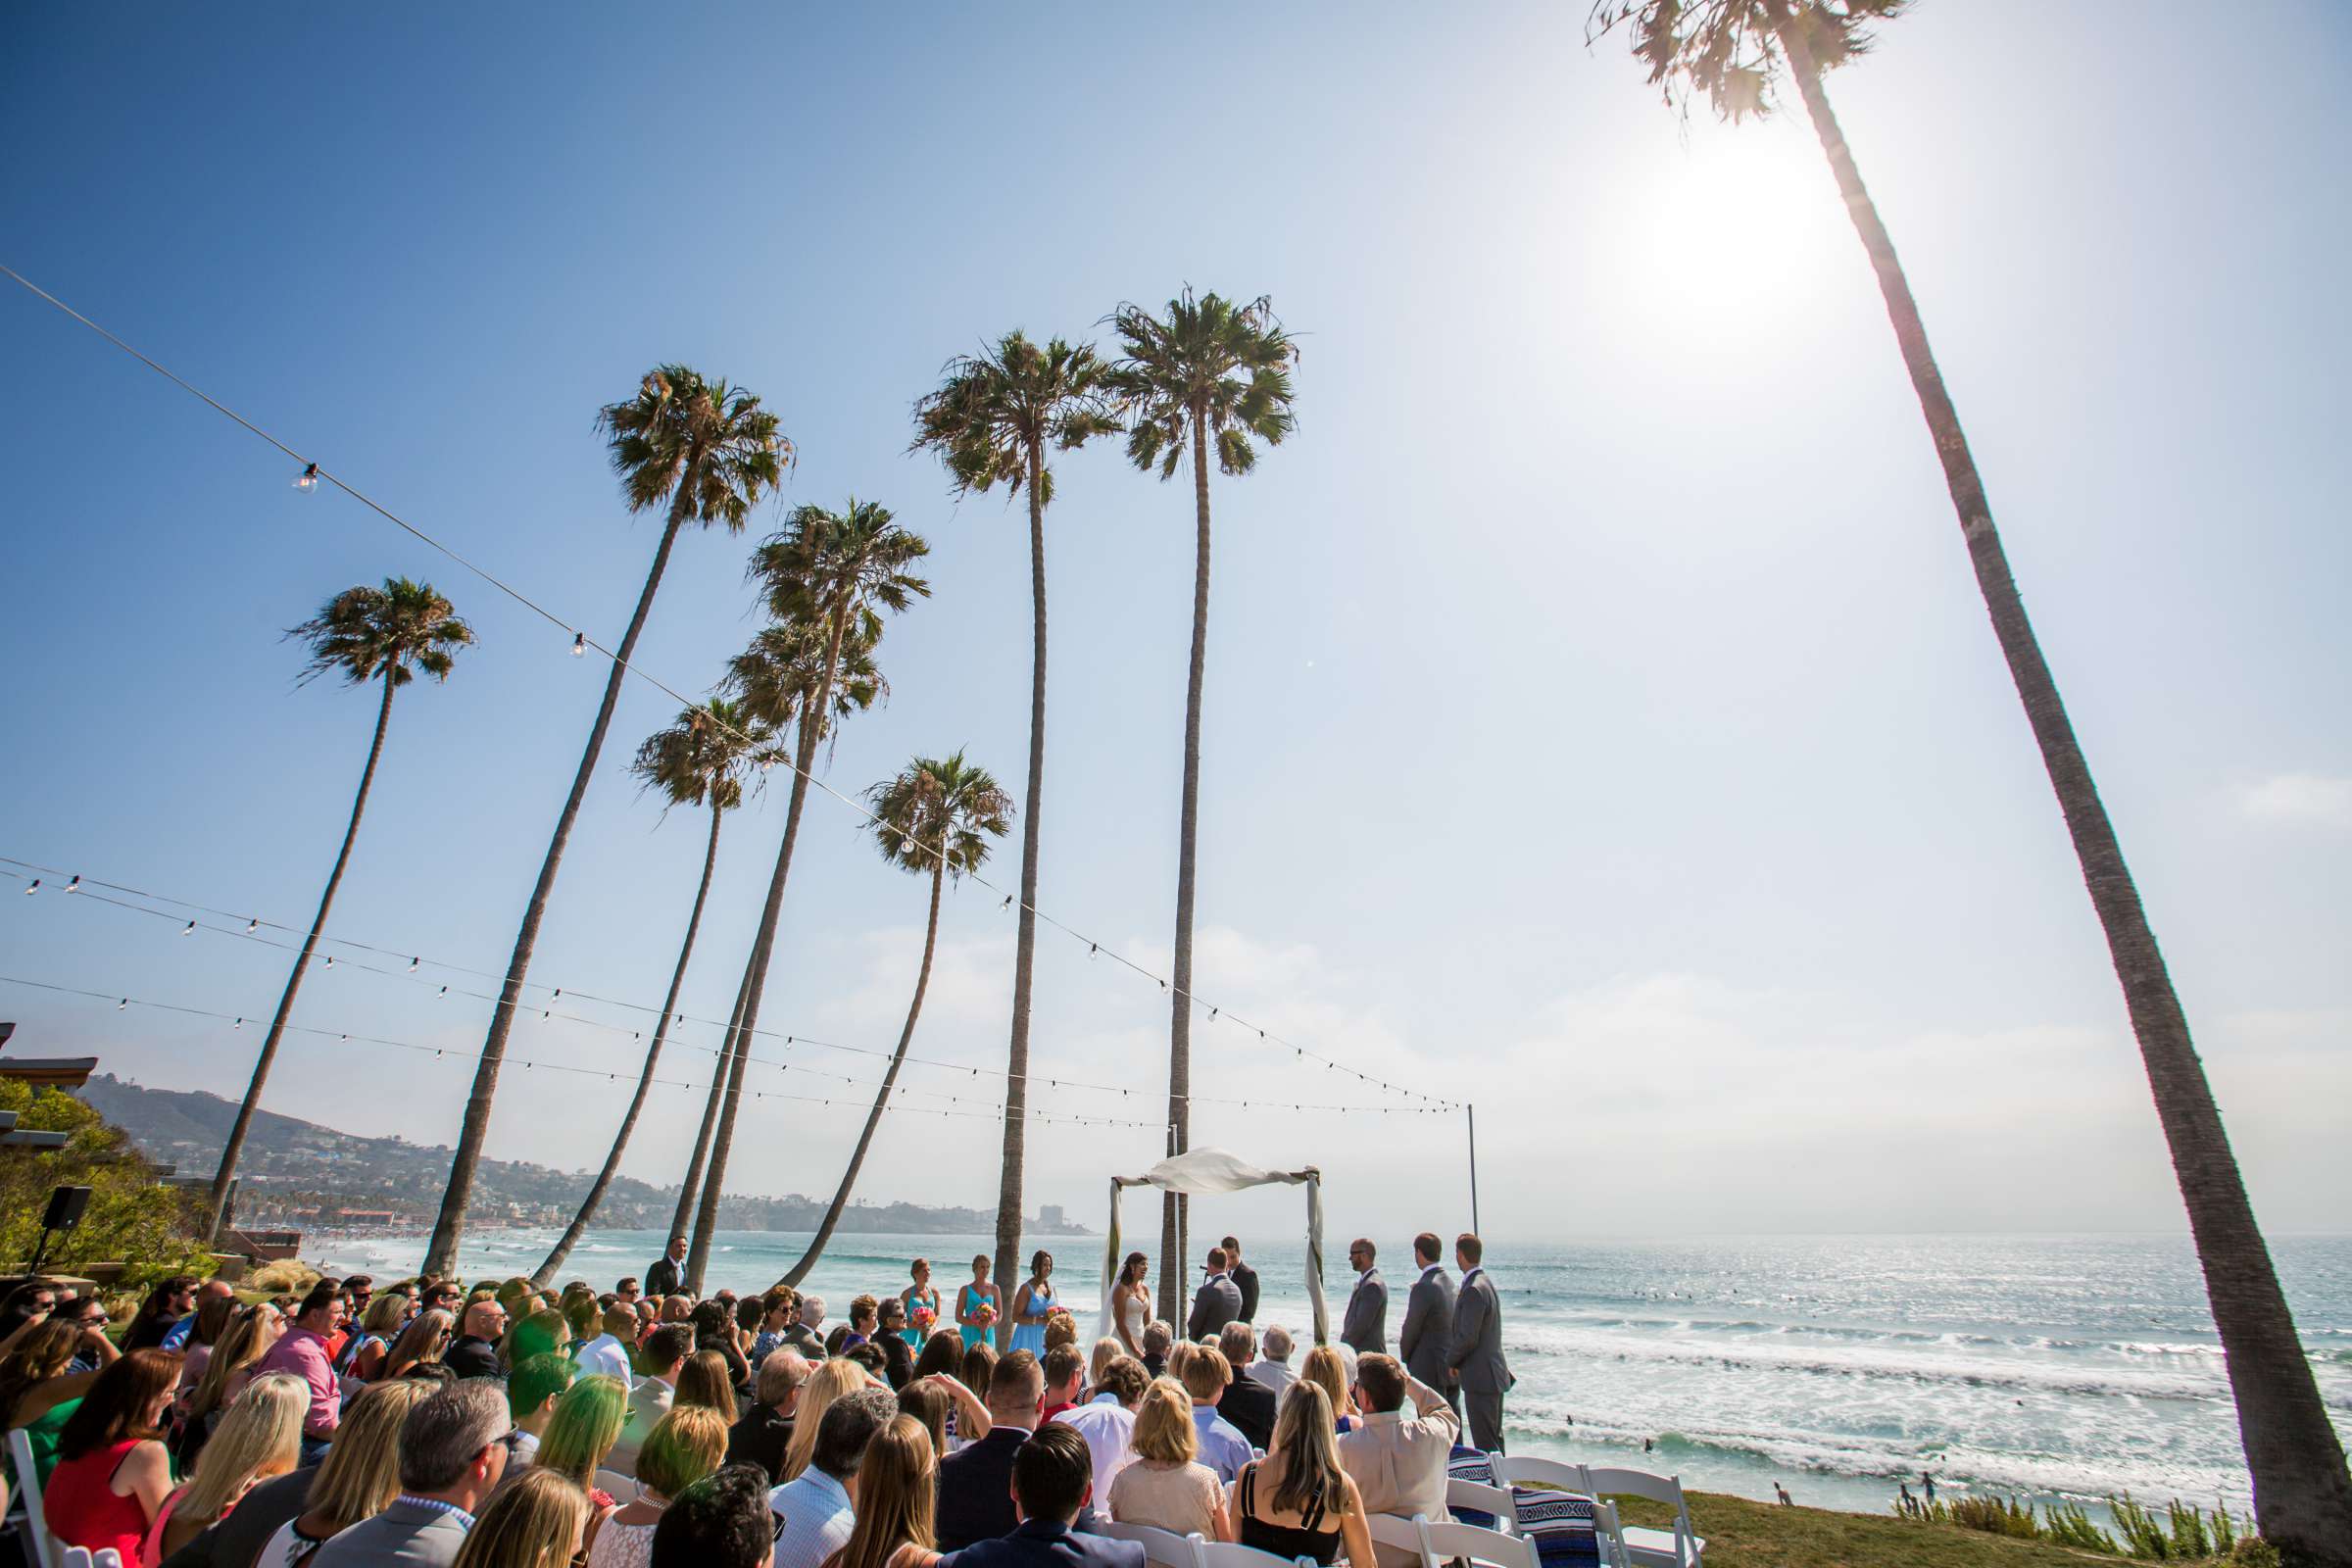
924, 1317
984, 1313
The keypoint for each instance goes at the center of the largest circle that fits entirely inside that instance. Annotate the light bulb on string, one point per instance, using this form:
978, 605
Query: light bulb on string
443, 992
251, 926
413, 964
330, 960
579, 645
308, 479
124, 1003
239, 1024
32, 887
74, 886
189, 930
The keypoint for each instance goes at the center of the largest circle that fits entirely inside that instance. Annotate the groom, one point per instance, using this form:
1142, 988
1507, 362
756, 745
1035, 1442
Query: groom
1217, 1302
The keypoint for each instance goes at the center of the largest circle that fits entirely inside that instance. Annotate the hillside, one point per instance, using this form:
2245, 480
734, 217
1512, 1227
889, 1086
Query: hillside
299, 1172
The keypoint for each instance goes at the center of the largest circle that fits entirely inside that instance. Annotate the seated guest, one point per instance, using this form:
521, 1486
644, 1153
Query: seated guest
1399, 1463
870, 1357
864, 1315
1162, 1484
536, 1519
704, 1379
421, 1343
1273, 1364
579, 1436
451, 1457
714, 1330
1205, 1375
684, 1446
828, 1381
304, 1352
1157, 1338
1051, 1487
650, 1400
942, 1353
761, 1437
474, 1353
113, 1474
812, 1320
814, 1510
1065, 1374
1106, 1350
370, 1342
779, 1309
166, 1306
979, 1365
890, 1338
259, 1440
1327, 1368
607, 1354
39, 1391
898, 1493
532, 1392
951, 1413
1107, 1421
358, 1481
1297, 1501
975, 1498
1246, 1402
721, 1521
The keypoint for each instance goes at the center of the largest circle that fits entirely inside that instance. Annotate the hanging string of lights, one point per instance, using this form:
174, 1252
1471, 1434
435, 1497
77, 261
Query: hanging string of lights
250, 928
307, 481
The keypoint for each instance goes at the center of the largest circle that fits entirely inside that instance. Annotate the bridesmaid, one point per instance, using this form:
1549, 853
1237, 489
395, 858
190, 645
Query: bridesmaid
1031, 1303
919, 1296
974, 1293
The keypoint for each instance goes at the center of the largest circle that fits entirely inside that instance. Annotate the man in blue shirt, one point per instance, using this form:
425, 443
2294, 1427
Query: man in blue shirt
1223, 1449
816, 1511
1052, 1480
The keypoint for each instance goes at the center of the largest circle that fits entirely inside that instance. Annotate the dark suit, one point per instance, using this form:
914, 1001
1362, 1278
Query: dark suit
760, 1438
1249, 1406
1043, 1544
1217, 1303
1245, 1280
1475, 1358
472, 1356
975, 1490
663, 1278
1366, 1325
1428, 1330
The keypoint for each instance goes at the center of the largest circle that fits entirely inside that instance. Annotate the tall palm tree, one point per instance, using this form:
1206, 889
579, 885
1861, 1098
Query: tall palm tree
992, 419
699, 760
776, 678
1735, 51
833, 572
935, 818
706, 452
1211, 371
383, 634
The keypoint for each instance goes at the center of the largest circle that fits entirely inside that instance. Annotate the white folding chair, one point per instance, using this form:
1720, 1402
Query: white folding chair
1164, 1547
1608, 1537
623, 1489
1446, 1543
77, 1557
107, 1557
1646, 1546
1392, 1530
1510, 1470
45, 1549
1479, 1498
1232, 1554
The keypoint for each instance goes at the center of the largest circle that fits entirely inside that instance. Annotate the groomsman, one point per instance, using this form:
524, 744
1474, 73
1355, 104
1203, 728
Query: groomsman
1428, 1321
1366, 1325
1475, 1357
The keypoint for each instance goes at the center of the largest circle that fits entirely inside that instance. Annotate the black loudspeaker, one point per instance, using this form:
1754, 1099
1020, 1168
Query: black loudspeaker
65, 1207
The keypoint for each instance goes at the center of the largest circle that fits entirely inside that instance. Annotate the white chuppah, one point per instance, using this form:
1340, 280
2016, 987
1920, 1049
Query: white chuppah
1210, 1171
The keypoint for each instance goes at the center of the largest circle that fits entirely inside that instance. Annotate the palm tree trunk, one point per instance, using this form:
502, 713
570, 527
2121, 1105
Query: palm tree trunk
302, 961
689, 1191
1010, 1200
2302, 1495
441, 1255
645, 1080
1175, 1213
754, 976
873, 1117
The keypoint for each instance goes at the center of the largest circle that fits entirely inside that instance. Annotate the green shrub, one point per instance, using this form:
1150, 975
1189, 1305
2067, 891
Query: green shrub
2067, 1525
1995, 1516
2252, 1551
150, 1228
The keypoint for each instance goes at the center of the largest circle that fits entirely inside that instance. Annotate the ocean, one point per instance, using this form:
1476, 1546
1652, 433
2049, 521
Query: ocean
2050, 1368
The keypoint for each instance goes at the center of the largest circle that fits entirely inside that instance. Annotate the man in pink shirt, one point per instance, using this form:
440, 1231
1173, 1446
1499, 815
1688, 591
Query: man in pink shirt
302, 1352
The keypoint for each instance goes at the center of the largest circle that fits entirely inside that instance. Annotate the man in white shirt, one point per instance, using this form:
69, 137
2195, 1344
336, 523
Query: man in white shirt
607, 1354
1273, 1364
1107, 1421
1398, 1461
818, 1510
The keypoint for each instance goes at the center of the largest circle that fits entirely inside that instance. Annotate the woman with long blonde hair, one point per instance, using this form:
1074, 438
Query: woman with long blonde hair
536, 1519
370, 1344
422, 1341
1166, 1486
36, 1390
247, 1339
586, 1423
1297, 1501
360, 1477
684, 1446
1327, 1370
258, 1437
898, 1495
829, 1381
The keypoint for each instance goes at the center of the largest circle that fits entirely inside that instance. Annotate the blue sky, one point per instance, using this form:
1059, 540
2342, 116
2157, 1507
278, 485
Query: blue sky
1601, 720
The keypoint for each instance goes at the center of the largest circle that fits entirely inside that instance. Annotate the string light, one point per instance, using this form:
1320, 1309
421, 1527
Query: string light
32, 887
308, 479
189, 930
579, 645
74, 886
413, 964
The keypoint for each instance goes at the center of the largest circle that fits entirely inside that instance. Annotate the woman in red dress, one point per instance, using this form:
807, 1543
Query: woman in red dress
113, 1473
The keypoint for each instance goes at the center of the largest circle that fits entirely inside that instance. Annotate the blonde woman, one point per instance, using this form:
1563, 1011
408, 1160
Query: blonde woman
1165, 1487
1297, 1501
897, 1496
260, 1436
684, 1446
37, 1392
536, 1519
248, 1337
360, 1477
1327, 1370
1106, 1350
213, 1319
419, 1344
370, 1346
580, 1435
829, 1381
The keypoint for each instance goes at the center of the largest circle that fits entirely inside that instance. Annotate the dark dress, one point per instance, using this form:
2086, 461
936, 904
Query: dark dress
760, 1438
1287, 1542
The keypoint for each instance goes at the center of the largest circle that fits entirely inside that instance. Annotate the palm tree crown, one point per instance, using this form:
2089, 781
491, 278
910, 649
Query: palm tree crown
824, 563
392, 631
783, 669
1210, 368
1731, 49
705, 447
998, 410
939, 813
701, 757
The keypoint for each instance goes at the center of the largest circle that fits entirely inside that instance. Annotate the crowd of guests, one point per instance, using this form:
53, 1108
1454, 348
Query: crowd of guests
433, 1425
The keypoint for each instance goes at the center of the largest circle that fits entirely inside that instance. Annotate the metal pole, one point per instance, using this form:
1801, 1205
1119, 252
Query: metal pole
1472, 1113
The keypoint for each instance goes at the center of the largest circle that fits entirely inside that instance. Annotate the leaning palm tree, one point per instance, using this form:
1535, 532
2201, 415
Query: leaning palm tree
775, 679
707, 452
935, 818
1735, 51
700, 759
363, 634
992, 419
1210, 373
834, 573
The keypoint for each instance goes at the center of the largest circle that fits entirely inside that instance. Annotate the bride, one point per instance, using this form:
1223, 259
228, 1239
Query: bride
1131, 1303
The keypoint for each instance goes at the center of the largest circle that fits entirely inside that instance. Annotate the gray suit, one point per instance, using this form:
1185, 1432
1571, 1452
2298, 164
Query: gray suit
1217, 1303
1475, 1357
1429, 1329
1366, 1326
406, 1535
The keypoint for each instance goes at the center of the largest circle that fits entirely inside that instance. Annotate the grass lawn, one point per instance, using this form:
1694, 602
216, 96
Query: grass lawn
1740, 1534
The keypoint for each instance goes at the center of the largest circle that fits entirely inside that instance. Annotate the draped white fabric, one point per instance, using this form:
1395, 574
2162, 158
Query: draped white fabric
1212, 1171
